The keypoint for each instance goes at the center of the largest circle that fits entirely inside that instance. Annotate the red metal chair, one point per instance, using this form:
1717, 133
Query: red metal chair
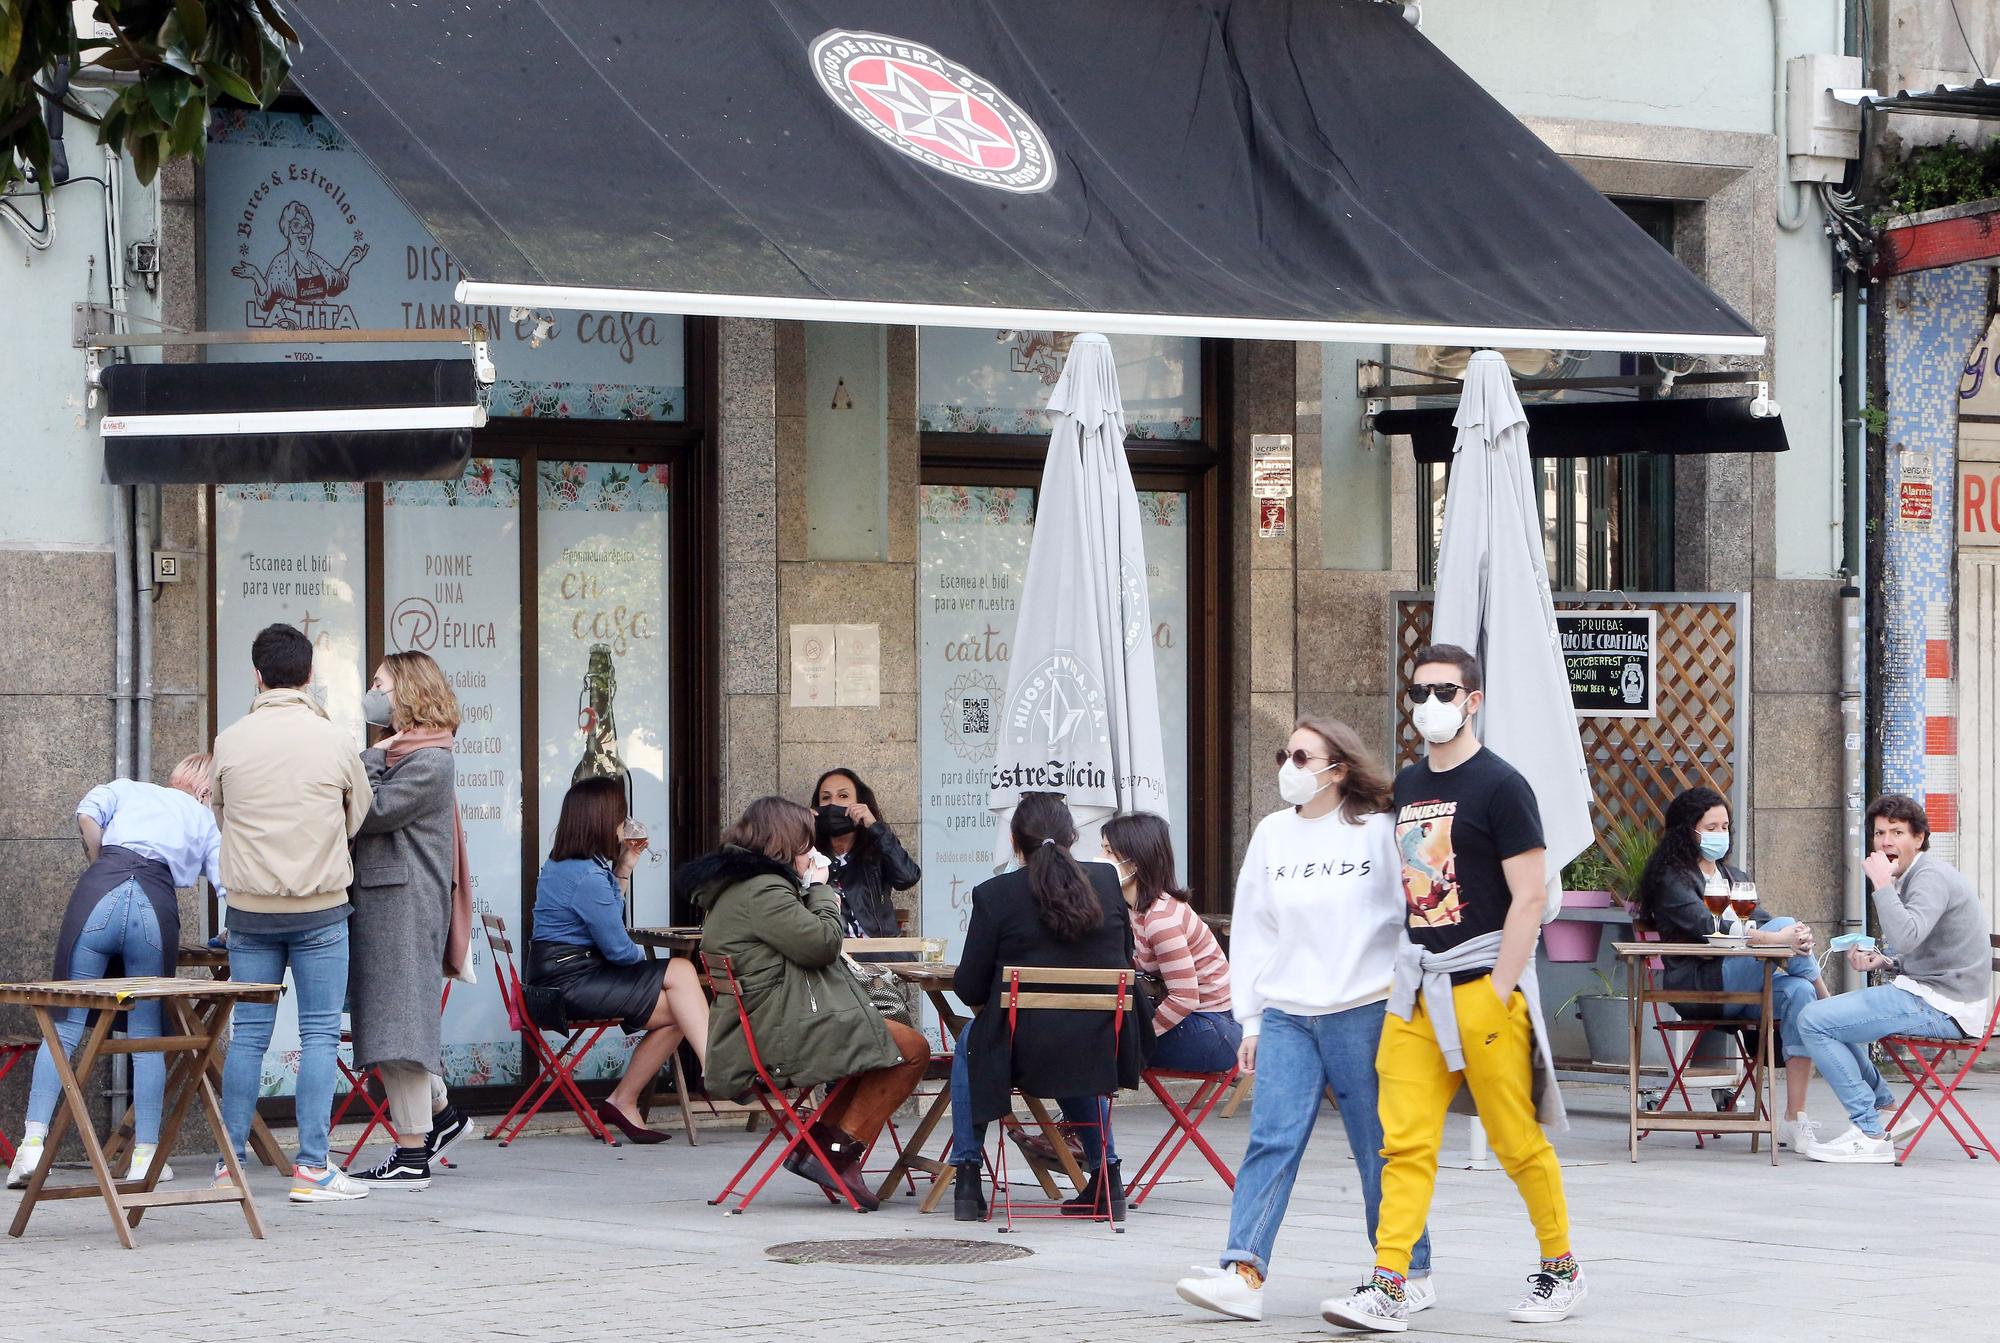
1185, 1127
1937, 1091
1085, 991
13, 1048
556, 1070
791, 1117
362, 1087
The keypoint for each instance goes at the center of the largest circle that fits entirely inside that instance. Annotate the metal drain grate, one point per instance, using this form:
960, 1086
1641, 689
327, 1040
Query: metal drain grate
908, 1250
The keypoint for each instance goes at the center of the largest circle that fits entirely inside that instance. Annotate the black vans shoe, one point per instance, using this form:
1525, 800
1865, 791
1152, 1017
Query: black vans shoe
405, 1168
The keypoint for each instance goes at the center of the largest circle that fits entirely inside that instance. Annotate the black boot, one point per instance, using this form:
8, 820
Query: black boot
1105, 1190
968, 1194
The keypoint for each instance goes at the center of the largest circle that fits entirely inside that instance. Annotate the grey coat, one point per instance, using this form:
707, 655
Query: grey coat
403, 860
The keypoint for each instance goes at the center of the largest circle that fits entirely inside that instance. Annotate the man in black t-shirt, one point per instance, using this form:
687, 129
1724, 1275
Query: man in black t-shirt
1470, 836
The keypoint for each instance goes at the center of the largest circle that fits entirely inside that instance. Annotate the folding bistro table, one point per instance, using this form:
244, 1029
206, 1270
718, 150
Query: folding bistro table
215, 960
195, 1024
1763, 1120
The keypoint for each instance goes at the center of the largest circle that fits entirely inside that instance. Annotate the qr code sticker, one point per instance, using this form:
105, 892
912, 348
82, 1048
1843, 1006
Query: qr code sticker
975, 716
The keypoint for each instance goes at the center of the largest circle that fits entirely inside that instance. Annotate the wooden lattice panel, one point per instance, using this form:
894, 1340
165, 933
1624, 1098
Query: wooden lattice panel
1637, 765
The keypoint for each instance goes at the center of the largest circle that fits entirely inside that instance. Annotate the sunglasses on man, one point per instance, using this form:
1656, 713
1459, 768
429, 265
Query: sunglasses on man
1445, 691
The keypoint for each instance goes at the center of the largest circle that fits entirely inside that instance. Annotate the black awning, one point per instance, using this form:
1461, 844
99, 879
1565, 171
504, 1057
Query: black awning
192, 424
1285, 169
1608, 428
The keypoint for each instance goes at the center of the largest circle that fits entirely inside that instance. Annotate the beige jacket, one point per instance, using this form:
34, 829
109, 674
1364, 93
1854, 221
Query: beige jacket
289, 790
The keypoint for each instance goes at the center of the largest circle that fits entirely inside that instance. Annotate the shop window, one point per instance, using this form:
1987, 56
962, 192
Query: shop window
602, 658
973, 559
451, 587
294, 555
998, 382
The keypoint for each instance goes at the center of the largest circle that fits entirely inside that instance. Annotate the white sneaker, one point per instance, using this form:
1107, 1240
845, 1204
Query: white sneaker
1367, 1307
1798, 1133
1224, 1291
1549, 1298
1419, 1294
1855, 1147
1900, 1132
26, 1157
331, 1185
142, 1157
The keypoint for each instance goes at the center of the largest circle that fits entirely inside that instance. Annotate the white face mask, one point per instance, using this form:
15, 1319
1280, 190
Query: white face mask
1297, 785
1438, 722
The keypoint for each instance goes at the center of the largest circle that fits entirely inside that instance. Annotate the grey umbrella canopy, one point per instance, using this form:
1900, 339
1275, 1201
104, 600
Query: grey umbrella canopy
1493, 598
1081, 714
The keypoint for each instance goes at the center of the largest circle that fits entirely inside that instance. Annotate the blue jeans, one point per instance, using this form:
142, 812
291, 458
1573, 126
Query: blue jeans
318, 961
121, 926
1838, 1031
1298, 1058
1794, 988
968, 1139
1203, 1042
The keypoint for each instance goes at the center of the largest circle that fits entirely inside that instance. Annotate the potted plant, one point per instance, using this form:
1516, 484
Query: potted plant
1607, 1027
1587, 884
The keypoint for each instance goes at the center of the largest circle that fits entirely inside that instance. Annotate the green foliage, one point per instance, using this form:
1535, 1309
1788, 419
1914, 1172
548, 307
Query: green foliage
1875, 420
186, 54
1614, 863
1934, 176
1589, 871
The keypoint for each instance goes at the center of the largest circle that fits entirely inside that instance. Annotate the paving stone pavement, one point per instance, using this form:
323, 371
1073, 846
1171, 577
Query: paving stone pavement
556, 1238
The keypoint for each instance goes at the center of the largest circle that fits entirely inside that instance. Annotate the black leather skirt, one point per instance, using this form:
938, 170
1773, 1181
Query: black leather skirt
592, 988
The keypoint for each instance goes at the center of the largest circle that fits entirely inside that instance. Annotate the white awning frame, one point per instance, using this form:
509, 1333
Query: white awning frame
573, 298
238, 423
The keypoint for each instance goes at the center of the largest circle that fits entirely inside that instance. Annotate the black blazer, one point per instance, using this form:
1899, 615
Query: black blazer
864, 883
1051, 1054
1670, 899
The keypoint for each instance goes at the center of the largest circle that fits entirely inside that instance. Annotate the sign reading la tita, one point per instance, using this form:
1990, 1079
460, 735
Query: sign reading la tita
1612, 659
934, 110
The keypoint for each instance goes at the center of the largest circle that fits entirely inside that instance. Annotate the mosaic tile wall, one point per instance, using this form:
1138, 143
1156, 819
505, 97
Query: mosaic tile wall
1934, 318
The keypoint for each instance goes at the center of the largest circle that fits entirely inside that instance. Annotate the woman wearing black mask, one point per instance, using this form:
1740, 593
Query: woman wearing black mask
869, 861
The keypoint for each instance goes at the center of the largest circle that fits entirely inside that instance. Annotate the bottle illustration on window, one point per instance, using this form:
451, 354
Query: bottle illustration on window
596, 721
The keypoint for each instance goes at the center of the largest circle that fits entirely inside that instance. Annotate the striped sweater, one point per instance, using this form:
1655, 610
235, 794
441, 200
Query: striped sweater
1172, 942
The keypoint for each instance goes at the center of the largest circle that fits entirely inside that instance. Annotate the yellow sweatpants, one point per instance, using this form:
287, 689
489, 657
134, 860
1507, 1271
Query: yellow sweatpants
1417, 1089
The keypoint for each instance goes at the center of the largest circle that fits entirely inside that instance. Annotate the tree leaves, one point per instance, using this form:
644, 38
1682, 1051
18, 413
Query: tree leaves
188, 55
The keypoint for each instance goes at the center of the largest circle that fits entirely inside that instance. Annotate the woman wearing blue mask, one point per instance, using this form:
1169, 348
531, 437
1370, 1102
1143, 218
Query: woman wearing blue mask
1693, 845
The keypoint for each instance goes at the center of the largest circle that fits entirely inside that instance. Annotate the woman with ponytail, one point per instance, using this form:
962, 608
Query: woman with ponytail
1049, 911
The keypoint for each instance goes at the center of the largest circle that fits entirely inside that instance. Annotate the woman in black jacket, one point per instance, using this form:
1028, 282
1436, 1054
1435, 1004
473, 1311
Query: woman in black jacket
1694, 840
868, 860
1050, 911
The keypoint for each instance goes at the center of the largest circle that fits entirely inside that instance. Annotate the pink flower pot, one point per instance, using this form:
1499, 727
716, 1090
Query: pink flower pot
1575, 942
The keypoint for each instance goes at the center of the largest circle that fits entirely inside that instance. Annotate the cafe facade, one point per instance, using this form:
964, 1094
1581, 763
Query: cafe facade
727, 553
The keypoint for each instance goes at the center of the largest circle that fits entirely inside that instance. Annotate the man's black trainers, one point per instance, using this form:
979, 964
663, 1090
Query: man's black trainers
449, 1126
405, 1168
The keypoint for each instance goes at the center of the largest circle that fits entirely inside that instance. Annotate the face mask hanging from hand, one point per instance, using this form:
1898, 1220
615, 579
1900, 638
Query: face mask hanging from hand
377, 710
1298, 785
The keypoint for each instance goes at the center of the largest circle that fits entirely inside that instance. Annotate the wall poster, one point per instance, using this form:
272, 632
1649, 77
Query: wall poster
294, 555
972, 560
452, 589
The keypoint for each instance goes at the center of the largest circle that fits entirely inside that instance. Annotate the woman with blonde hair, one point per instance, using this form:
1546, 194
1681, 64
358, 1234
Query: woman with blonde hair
767, 908
1313, 941
412, 919
142, 841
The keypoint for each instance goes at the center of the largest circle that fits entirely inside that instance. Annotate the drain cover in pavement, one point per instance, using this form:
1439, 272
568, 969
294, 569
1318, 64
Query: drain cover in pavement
910, 1250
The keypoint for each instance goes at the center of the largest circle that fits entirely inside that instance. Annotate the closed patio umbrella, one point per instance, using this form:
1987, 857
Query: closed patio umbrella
1493, 598
1081, 715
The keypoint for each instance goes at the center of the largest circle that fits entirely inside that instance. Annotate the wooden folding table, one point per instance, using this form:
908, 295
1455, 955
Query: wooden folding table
195, 1020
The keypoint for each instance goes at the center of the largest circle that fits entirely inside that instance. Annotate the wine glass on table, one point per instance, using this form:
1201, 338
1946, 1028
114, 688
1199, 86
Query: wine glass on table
1715, 895
1743, 903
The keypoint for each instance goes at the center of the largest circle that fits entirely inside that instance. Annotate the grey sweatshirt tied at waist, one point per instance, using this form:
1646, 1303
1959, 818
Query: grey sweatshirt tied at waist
1429, 973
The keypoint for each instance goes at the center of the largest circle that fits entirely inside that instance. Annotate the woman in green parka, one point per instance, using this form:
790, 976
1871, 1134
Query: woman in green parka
767, 909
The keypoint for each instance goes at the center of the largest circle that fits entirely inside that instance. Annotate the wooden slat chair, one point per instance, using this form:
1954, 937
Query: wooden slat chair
1184, 1126
557, 1070
1936, 1090
1028, 988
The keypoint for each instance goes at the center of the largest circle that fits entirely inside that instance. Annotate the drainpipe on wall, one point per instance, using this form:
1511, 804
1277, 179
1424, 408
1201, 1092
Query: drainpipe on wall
1853, 381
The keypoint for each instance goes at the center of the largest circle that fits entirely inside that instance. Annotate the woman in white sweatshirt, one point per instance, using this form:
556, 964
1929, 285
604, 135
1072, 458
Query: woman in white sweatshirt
1319, 911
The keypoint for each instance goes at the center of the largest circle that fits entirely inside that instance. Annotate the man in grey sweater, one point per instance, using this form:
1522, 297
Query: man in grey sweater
1939, 962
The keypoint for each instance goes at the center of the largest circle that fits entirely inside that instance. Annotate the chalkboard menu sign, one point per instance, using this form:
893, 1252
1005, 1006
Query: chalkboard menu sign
1611, 657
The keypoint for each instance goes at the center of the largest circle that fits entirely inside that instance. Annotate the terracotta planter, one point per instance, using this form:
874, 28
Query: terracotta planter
1575, 942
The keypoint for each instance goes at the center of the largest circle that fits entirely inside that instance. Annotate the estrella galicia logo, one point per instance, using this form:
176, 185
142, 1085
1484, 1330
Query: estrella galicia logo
933, 109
